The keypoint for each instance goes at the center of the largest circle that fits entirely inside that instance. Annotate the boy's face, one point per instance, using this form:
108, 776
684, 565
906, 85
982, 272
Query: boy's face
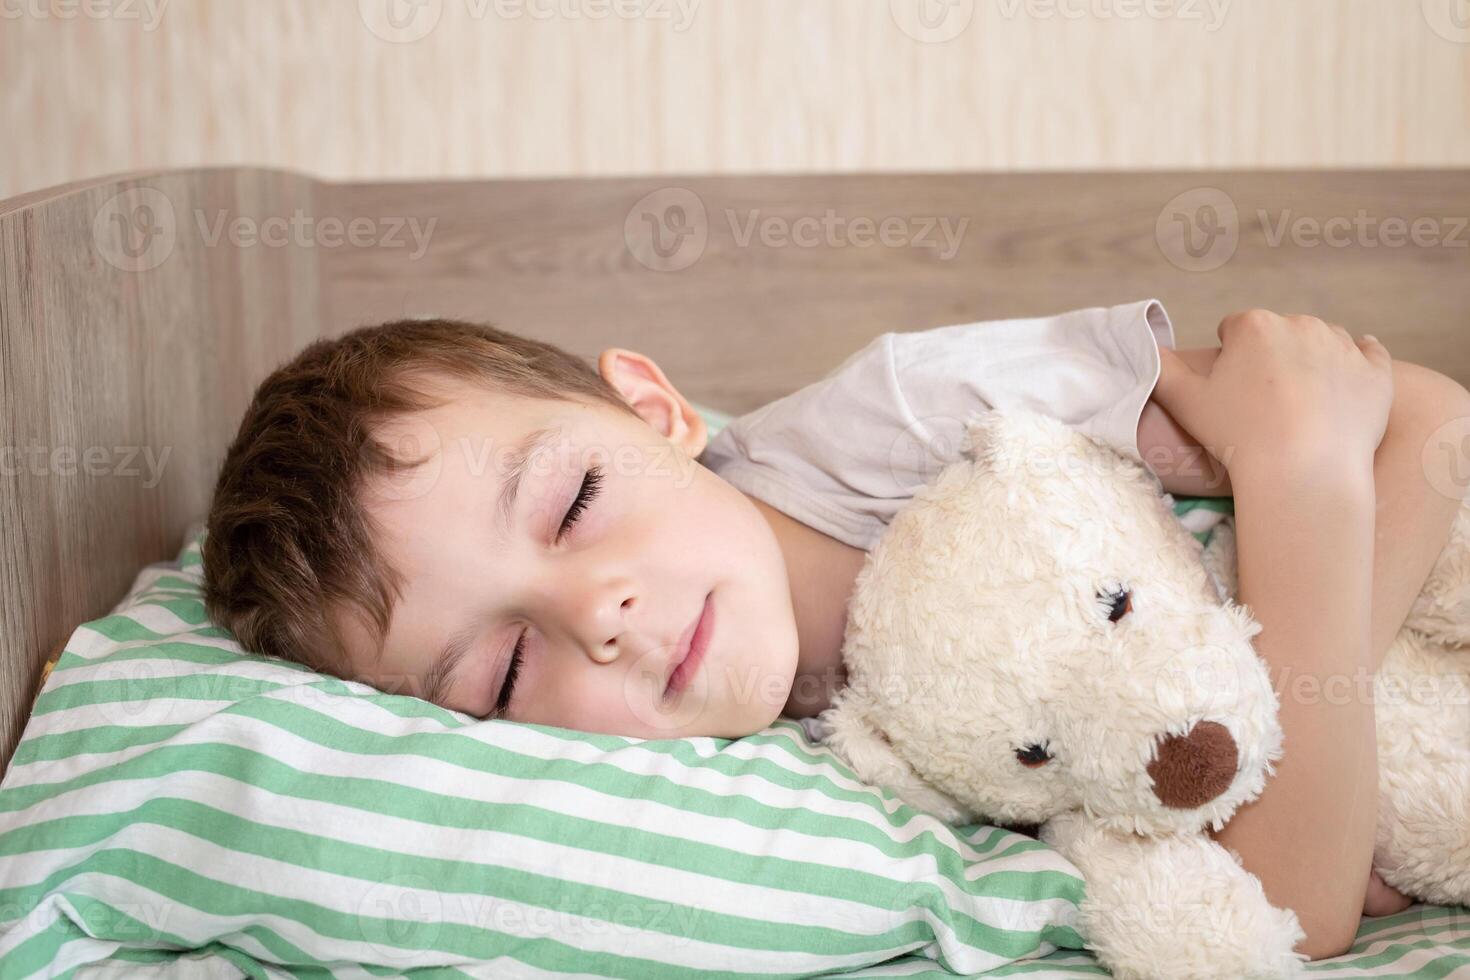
603, 606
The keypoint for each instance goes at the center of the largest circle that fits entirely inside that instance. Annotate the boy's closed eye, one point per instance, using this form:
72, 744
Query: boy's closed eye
591, 485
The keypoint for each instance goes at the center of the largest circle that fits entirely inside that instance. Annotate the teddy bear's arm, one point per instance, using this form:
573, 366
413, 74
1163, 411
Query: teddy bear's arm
1174, 907
852, 734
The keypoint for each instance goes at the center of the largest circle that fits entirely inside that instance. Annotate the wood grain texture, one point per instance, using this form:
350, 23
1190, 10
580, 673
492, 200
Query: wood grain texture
496, 88
126, 360
756, 313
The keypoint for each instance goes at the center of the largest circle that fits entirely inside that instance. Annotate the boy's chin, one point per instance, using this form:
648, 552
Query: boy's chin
752, 726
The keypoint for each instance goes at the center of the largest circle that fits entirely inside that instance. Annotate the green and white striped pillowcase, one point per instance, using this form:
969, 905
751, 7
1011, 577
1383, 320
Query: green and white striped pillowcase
171, 790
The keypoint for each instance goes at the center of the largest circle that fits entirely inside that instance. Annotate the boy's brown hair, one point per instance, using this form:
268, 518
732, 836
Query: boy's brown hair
288, 541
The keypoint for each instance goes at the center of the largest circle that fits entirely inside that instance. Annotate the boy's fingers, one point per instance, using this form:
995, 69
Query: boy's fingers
1178, 387
1374, 350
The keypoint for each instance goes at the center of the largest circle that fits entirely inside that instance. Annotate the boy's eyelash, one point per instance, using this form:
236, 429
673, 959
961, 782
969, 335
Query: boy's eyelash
591, 484
508, 690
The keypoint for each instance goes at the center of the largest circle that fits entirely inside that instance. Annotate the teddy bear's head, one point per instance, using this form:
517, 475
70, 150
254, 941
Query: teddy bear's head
1036, 633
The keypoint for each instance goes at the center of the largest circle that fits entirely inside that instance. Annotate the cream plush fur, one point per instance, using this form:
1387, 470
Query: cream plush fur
1036, 639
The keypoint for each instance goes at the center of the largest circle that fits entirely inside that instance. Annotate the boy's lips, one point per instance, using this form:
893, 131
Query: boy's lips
692, 645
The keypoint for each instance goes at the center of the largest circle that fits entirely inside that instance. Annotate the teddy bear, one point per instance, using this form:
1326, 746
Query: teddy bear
1037, 640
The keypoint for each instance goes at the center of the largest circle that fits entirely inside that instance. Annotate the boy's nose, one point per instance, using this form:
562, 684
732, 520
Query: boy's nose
1193, 769
596, 616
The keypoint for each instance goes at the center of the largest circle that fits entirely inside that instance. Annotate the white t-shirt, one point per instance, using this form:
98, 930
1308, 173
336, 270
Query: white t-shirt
844, 453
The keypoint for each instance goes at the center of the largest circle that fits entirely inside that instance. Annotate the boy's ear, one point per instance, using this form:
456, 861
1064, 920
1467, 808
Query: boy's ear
643, 386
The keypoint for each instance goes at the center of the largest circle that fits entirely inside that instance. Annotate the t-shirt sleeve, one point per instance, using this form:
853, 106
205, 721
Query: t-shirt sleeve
843, 454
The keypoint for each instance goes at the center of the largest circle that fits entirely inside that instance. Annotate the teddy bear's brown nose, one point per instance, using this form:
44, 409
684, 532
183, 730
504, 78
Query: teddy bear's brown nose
1193, 769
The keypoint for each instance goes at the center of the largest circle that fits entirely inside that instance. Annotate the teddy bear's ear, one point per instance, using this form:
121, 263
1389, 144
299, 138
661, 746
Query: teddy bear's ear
863, 746
1002, 439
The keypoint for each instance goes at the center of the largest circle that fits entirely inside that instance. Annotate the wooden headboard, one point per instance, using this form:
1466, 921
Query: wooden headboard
138, 312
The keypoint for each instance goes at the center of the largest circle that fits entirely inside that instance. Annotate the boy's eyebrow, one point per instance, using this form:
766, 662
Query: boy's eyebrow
436, 679
520, 456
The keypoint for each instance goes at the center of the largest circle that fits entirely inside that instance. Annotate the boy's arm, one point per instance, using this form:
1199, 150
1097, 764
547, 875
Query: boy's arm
1304, 530
1413, 518
1175, 456
1302, 407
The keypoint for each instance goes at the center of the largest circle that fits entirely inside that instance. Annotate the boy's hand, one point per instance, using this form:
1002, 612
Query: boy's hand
1289, 385
1383, 899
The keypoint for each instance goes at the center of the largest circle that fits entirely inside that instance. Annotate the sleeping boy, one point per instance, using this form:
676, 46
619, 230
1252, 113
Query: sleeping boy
451, 511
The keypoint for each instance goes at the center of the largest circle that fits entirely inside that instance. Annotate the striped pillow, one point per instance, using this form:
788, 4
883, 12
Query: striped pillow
172, 793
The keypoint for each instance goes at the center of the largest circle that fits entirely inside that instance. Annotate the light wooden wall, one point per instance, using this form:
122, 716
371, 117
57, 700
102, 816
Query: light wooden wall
728, 86
124, 375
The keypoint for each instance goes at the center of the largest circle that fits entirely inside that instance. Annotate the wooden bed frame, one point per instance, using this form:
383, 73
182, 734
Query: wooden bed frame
138, 312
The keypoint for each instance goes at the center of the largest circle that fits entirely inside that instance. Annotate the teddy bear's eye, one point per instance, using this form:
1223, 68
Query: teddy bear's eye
1034, 755
1119, 602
